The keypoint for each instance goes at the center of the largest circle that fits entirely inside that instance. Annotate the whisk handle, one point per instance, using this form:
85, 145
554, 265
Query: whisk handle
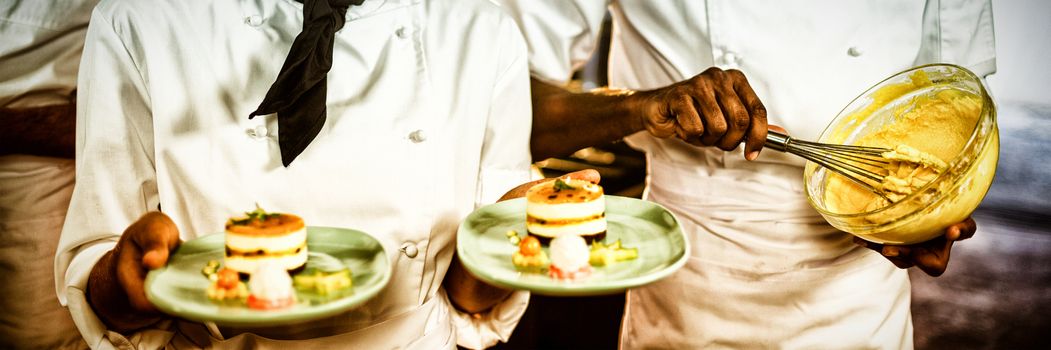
777, 141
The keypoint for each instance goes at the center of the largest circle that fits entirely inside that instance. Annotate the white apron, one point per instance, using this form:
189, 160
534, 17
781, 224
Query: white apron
744, 285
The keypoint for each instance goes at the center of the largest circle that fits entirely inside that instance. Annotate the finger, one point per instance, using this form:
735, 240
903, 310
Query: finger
961, 231
755, 137
155, 235
711, 114
695, 141
661, 122
737, 121
590, 175
131, 275
661, 127
777, 128
689, 122
896, 251
935, 259
520, 190
900, 263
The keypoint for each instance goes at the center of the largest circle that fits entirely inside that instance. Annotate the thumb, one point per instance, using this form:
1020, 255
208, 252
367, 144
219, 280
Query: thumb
777, 128
155, 258
158, 237
590, 175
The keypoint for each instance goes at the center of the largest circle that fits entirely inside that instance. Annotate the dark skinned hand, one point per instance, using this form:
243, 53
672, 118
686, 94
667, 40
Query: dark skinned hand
931, 256
116, 285
715, 108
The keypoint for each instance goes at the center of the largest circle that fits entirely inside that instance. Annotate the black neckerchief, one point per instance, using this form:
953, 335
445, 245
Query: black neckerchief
298, 94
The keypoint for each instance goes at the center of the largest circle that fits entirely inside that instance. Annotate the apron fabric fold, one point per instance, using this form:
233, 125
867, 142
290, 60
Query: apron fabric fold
763, 263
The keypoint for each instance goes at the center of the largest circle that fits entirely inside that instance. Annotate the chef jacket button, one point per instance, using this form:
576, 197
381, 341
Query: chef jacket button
417, 136
730, 58
254, 20
400, 32
259, 131
853, 51
409, 250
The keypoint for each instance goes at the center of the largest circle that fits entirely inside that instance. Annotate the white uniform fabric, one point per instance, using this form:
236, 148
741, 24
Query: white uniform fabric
428, 118
765, 270
40, 44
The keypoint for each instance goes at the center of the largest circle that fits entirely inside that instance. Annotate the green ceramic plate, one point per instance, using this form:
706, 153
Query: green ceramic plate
179, 288
485, 250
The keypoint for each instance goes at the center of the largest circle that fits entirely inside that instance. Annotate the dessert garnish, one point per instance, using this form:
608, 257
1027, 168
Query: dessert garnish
326, 276
569, 258
562, 185
512, 236
530, 257
271, 288
225, 283
602, 254
257, 214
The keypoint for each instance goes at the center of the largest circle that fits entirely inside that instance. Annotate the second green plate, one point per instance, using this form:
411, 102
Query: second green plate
485, 250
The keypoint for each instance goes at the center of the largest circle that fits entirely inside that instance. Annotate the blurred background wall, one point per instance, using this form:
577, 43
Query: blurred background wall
996, 293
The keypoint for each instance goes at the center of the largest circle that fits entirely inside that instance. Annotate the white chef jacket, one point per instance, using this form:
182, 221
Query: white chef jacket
766, 270
40, 44
428, 118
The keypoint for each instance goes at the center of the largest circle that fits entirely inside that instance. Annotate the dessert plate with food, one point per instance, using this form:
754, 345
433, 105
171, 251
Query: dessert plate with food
269, 269
566, 238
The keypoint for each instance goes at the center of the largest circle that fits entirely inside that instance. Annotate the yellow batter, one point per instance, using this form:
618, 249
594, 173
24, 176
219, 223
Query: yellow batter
925, 135
907, 170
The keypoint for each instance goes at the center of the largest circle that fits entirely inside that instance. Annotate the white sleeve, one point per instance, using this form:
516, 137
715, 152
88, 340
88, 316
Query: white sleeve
562, 34
505, 156
963, 35
504, 164
115, 176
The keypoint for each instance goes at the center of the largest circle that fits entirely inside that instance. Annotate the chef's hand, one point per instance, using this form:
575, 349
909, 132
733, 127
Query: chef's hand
116, 285
471, 295
931, 256
715, 108
591, 175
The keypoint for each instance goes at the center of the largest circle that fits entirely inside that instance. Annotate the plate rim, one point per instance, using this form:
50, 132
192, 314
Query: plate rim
573, 289
273, 317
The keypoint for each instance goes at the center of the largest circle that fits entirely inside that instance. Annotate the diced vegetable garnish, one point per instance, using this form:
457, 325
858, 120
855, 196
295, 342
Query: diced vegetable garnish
323, 283
211, 268
602, 254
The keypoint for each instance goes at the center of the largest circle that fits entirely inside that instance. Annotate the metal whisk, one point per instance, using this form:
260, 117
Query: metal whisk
856, 163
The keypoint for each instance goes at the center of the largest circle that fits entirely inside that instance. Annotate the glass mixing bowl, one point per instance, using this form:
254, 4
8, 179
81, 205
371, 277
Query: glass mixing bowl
947, 199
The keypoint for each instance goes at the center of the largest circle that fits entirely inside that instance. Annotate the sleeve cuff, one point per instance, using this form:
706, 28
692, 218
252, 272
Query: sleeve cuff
480, 331
74, 295
90, 326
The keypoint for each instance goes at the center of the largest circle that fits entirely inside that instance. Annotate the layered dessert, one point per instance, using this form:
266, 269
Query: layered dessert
569, 258
566, 207
261, 237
